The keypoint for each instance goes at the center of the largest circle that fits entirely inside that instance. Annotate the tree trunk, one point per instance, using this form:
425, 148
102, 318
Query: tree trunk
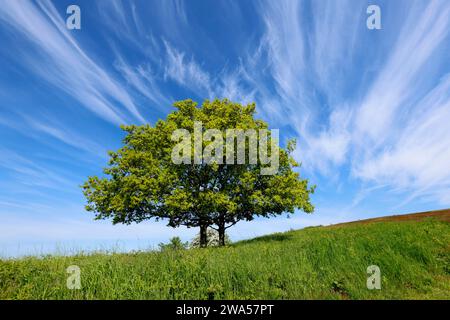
203, 236
221, 233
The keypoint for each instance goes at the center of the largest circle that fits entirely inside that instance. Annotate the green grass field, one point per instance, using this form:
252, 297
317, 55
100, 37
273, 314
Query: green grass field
313, 263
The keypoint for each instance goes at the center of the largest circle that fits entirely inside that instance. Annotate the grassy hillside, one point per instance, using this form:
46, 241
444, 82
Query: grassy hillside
313, 263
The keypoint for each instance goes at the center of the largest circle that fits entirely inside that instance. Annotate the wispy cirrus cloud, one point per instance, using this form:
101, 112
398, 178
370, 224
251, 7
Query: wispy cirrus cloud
144, 80
47, 125
283, 23
68, 137
401, 137
186, 72
63, 63
417, 158
421, 35
378, 133
30, 173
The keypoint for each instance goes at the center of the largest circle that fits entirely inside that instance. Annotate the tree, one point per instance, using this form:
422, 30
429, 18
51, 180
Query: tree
145, 178
175, 243
212, 237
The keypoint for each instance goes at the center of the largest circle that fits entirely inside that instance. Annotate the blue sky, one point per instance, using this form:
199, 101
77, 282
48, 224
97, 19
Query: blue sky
370, 108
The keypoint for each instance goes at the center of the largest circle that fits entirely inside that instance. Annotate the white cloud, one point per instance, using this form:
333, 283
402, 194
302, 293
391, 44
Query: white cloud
330, 147
421, 35
235, 85
63, 134
142, 79
62, 62
395, 137
186, 72
283, 38
418, 159
32, 174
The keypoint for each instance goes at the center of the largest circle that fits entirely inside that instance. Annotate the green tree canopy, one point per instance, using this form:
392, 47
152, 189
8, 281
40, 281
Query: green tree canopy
142, 181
